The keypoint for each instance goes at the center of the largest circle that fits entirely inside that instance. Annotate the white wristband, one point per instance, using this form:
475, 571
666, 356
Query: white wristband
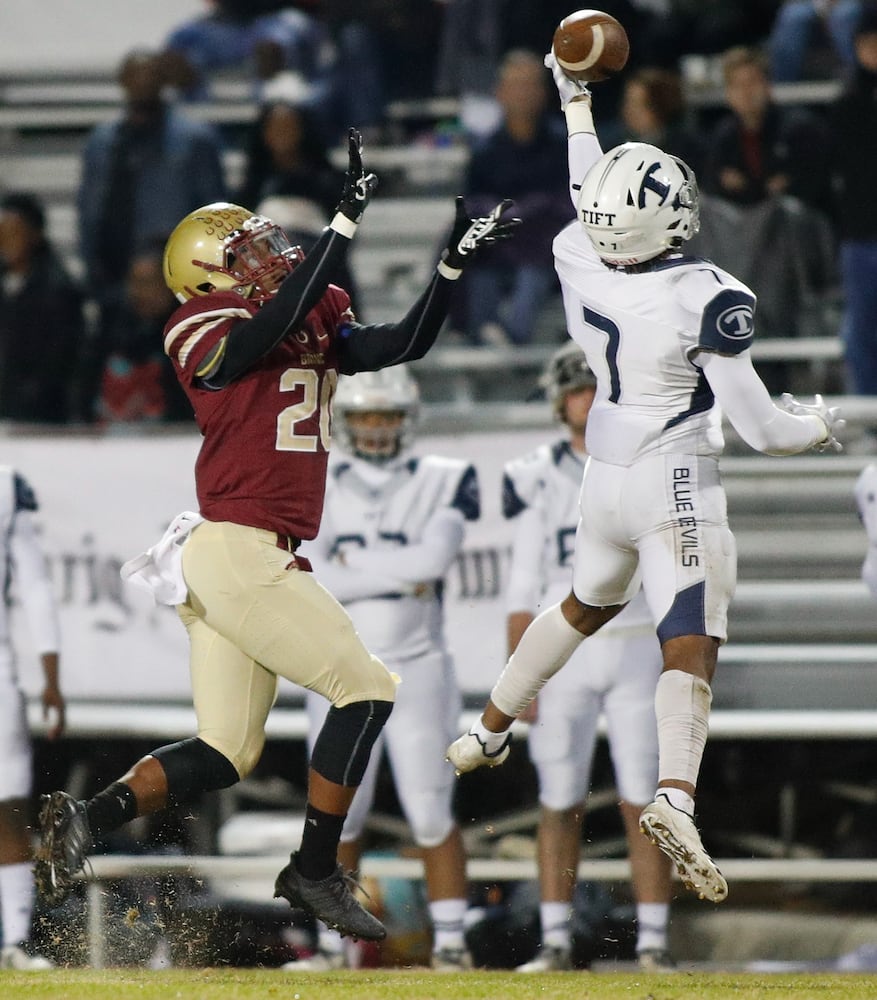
579, 117
451, 273
344, 226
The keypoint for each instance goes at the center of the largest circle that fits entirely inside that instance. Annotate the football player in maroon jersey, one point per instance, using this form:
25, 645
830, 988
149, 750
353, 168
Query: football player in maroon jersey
258, 344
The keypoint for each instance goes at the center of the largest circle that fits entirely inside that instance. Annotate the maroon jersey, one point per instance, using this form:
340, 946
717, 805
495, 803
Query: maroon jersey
266, 434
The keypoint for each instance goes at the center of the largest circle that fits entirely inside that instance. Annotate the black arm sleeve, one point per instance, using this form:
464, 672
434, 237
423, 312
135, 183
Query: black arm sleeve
251, 339
366, 348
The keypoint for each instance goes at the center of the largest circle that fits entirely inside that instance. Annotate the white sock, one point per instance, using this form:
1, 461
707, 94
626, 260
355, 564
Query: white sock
492, 741
546, 645
555, 919
678, 798
447, 923
329, 940
16, 902
682, 707
651, 926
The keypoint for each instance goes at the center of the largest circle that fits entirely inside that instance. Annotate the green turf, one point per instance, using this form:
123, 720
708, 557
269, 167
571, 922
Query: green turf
264, 984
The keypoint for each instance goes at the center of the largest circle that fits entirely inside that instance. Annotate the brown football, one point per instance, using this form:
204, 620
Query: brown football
590, 45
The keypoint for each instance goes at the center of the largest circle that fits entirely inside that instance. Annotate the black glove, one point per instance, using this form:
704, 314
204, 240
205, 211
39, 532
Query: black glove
469, 235
358, 185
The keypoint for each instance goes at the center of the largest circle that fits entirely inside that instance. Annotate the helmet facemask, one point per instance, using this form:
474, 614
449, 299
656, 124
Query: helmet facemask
376, 435
258, 256
224, 247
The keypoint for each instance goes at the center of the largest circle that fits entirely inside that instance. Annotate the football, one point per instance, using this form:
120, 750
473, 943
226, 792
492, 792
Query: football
590, 45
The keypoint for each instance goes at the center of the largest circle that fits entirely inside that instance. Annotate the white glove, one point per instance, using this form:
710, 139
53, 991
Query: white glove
829, 415
568, 89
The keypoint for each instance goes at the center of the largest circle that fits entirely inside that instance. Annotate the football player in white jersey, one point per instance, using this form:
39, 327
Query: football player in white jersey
392, 526
612, 674
26, 564
668, 338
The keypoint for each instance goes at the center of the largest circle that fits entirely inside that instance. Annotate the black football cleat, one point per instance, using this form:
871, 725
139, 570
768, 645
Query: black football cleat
330, 900
65, 840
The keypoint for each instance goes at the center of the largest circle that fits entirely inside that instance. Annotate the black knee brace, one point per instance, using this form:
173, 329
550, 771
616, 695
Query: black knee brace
345, 742
193, 766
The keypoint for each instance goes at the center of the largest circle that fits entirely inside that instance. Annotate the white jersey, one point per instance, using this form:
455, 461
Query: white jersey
386, 541
642, 333
541, 493
24, 565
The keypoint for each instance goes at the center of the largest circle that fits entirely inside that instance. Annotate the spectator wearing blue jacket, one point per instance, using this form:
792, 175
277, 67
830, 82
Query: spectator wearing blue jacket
141, 173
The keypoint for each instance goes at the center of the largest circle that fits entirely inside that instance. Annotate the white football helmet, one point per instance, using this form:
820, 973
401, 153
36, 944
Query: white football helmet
638, 201
388, 391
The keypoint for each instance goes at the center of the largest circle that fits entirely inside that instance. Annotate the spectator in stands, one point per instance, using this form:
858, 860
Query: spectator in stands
387, 52
140, 174
289, 177
33, 591
704, 27
759, 149
524, 157
477, 34
217, 39
812, 39
653, 110
128, 380
41, 317
258, 40
853, 162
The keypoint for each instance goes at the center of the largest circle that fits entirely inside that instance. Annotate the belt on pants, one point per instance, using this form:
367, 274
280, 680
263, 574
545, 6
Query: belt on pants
289, 543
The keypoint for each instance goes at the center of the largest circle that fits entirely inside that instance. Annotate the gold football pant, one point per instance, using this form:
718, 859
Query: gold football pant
252, 617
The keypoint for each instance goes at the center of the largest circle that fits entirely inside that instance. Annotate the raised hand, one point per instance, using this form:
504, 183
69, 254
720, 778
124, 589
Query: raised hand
567, 89
829, 415
358, 185
468, 235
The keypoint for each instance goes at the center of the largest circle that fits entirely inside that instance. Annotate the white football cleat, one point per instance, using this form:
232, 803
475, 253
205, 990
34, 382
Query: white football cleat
13, 956
548, 959
450, 960
674, 832
320, 961
468, 752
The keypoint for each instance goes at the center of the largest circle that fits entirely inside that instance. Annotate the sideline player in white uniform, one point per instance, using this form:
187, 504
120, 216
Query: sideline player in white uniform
614, 674
26, 565
668, 339
392, 526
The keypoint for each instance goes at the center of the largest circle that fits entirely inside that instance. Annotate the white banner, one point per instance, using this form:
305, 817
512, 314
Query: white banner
104, 500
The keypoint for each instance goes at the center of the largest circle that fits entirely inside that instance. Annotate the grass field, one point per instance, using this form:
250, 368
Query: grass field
259, 984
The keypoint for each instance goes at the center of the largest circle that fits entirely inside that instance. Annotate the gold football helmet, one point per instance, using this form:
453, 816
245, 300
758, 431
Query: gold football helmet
223, 247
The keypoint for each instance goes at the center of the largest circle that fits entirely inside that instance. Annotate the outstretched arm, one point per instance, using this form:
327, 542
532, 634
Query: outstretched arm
369, 347
762, 424
584, 147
